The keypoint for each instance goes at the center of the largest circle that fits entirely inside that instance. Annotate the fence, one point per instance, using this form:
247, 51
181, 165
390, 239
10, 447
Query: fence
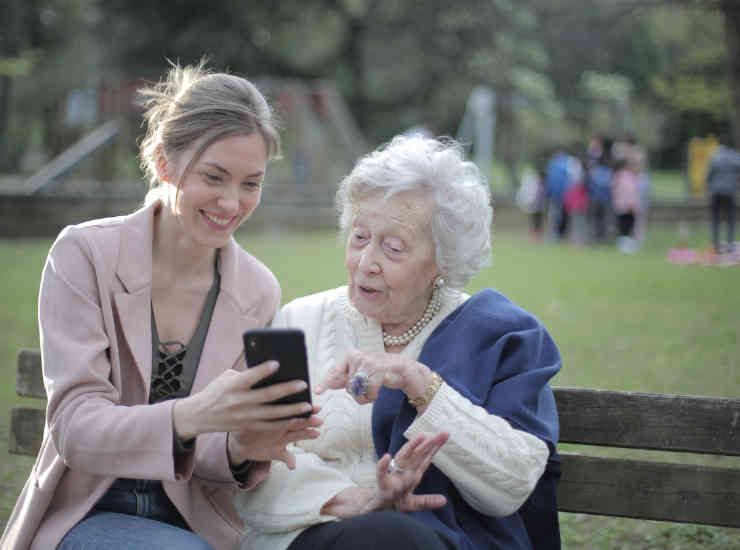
284, 205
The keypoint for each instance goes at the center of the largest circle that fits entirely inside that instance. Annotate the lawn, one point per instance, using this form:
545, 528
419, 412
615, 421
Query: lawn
622, 322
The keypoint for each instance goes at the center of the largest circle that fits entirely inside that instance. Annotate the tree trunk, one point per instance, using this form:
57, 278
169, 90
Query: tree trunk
507, 144
5, 84
731, 11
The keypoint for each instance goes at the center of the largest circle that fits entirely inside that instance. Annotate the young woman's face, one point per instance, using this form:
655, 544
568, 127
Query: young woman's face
390, 257
221, 189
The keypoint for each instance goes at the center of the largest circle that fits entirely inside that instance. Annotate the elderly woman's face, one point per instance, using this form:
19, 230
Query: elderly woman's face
390, 258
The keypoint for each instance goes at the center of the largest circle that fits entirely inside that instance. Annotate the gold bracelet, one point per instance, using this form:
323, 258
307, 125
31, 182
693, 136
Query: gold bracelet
426, 397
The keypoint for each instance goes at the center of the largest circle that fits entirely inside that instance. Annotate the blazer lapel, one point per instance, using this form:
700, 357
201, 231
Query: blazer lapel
134, 302
231, 316
233, 312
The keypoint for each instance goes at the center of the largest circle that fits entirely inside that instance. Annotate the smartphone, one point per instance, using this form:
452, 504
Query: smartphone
287, 346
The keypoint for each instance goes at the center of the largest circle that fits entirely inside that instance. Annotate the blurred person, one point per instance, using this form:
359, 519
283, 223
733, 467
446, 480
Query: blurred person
557, 180
626, 202
722, 180
595, 150
621, 148
644, 191
599, 181
440, 424
575, 202
151, 422
530, 198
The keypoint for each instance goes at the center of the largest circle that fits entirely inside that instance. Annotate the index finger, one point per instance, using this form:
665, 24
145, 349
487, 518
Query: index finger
335, 379
254, 374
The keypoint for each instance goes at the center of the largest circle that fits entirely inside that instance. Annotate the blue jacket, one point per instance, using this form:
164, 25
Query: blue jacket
723, 172
557, 178
501, 358
600, 183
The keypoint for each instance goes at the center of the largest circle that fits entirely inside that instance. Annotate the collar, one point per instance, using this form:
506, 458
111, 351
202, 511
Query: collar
135, 259
369, 333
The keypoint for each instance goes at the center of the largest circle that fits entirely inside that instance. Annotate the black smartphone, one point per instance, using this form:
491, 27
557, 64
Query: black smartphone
287, 346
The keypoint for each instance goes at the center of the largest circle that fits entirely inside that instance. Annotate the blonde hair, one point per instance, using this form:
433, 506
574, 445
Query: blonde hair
193, 105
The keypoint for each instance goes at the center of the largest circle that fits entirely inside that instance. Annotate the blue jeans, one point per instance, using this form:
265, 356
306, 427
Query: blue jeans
385, 529
136, 515
723, 206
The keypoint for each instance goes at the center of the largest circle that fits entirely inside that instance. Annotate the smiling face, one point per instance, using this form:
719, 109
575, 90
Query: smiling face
390, 258
220, 190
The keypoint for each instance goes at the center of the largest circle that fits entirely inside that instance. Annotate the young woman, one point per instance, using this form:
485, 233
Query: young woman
151, 424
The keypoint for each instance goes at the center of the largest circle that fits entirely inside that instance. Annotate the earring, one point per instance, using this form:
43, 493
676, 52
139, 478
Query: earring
439, 282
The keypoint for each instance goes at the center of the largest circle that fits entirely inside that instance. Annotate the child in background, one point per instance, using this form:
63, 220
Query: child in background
530, 198
626, 202
575, 202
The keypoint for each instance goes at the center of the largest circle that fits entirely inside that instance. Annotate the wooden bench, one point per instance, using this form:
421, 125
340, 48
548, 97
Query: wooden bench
26, 423
643, 489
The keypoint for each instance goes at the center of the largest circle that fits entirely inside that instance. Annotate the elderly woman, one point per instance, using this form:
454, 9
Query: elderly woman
413, 355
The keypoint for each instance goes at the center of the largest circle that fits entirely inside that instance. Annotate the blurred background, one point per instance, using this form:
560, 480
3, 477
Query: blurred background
513, 79
517, 81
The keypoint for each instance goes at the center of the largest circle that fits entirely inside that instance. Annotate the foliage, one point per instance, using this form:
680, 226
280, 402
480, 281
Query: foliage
45, 52
656, 69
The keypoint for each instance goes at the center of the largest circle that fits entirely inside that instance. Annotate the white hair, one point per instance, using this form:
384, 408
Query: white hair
461, 223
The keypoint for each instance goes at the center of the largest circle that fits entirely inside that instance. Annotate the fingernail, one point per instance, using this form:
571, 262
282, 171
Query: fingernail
274, 365
299, 386
307, 407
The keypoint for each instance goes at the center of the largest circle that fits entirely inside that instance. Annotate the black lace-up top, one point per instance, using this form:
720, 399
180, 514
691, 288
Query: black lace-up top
174, 363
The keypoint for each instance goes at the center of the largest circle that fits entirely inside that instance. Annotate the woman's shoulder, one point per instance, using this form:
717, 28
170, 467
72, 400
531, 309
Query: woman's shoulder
317, 302
105, 233
90, 230
101, 235
495, 309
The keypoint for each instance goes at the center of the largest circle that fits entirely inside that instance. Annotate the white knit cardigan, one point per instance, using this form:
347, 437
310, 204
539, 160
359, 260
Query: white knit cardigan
494, 466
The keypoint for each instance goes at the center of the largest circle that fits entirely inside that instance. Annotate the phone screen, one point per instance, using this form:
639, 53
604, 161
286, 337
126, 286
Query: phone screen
286, 346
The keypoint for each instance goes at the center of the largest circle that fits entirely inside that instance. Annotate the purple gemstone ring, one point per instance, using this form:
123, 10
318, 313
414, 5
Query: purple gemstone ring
358, 384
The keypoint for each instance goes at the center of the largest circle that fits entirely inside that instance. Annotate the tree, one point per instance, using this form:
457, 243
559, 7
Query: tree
44, 53
731, 12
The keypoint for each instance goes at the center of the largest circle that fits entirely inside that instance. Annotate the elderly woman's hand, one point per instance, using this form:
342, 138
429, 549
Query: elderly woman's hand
363, 373
397, 478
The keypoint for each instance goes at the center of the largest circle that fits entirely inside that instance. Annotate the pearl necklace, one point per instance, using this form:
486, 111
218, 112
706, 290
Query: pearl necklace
432, 309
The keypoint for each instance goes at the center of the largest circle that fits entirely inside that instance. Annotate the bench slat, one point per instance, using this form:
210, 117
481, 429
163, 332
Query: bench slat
26, 431
29, 382
649, 490
610, 418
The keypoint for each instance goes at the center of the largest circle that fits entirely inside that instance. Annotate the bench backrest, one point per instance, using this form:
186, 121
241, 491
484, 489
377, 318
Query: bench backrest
608, 486
26, 423
649, 489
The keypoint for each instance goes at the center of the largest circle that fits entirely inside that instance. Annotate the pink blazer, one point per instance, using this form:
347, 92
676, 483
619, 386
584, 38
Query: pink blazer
95, 331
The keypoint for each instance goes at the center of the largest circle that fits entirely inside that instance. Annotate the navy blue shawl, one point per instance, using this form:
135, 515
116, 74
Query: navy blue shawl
501, 358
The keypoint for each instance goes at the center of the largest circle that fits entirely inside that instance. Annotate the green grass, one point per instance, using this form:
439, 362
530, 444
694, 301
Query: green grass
621, 322
668, 184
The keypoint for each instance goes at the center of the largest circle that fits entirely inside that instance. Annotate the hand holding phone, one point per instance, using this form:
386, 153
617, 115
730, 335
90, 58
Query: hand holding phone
286, 346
